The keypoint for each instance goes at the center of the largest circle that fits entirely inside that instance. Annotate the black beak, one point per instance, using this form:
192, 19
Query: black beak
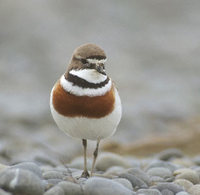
100, 69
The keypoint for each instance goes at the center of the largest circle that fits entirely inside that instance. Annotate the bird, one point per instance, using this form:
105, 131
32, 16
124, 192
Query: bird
85, 102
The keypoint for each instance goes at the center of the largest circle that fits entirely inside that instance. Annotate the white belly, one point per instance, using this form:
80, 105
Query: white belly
89, 128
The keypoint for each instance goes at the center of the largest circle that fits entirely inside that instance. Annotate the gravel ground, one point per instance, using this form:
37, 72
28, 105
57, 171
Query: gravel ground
169, 172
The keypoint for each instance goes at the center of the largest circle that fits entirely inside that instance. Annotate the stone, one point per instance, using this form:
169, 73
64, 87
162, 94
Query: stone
186, 184
137, 183
194, 190
44, 159
156, 179
21, 181
107, 160
170, 186
115, 170
102, 186
188, 174
56, 190
149, 192
78, 163
196, 160
125, 182
3, 167
30, 166
169, 154
160, 163
52, 175
183, 162
53, 181
160, 172
71, 188
2, 192
182, 193
167, 192
140, 174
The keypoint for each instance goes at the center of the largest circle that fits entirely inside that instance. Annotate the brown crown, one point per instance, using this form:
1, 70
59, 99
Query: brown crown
84, 52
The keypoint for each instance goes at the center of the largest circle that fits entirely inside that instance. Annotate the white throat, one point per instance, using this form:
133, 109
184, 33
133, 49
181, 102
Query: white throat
90, 75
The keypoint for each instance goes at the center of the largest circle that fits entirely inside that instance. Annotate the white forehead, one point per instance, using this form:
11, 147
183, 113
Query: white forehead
96, 61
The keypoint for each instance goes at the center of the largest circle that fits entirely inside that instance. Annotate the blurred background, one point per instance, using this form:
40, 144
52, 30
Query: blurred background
153, 50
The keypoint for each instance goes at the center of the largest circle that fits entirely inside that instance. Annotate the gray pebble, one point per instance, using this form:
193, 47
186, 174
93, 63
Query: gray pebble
194, 190
159, 163
136, 182
182, 193
52, 175
56, 190
184, 183
187, 174
169, 154
2, 192
170, 186
140, 174
21, 181
157, 179
125, 182
54, 181
115, 170
78, 163
102, 186
196, 160
160, 172
30, 166
167, 192
107, 160
70, 188
44, 159
149, 192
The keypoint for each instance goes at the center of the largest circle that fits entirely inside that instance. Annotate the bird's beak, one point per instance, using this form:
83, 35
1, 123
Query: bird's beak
99, 68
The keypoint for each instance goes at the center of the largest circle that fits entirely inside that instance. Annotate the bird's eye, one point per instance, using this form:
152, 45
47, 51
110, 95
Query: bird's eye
84, 61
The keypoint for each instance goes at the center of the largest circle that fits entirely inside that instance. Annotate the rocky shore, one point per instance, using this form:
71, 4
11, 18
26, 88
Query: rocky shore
169, 172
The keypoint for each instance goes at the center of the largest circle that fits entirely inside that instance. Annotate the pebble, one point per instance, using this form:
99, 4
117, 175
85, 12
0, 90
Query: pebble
115, 170
182, 193
167, 192
183, 162
164, 164
188, 174
21, 182
140, 174
2, 192
107, 160
54, 181
30, 166
53, 175
136, 182
156, 179
170, 186
78, 163
101, 186
125, 182
184, 183
3, 167
160, 172
194, 190
169, 154
56, 190
44, 159
71, 188
149, 192
196, 160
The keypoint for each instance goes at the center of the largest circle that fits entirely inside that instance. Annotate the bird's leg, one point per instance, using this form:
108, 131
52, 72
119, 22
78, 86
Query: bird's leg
85, 172
95, 154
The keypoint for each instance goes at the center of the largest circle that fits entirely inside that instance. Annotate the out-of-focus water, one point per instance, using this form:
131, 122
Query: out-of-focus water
153, 49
